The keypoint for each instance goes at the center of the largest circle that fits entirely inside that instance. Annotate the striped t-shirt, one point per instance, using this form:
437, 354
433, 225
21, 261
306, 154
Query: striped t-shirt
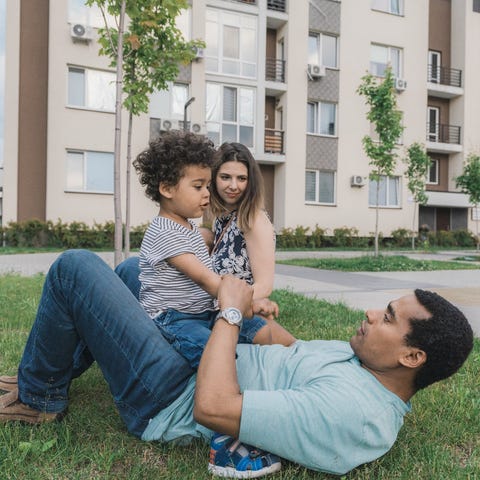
163, 286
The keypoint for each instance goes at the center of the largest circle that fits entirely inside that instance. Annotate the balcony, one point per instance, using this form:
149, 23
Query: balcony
443, 138
277, 5
274, 141
444, 82
274, 70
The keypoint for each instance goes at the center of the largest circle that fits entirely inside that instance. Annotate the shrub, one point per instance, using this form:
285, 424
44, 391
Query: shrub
464, 238
344, 237
402, 237
317, 237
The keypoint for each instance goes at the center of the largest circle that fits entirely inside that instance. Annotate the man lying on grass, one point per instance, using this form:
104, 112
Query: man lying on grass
327, 405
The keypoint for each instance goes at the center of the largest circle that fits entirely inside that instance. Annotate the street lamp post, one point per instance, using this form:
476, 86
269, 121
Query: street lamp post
189, 101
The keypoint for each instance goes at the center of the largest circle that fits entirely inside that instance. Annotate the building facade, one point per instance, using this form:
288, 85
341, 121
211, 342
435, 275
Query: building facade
279, 76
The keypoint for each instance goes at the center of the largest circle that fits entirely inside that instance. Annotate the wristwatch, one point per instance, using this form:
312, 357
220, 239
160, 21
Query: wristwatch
231, 315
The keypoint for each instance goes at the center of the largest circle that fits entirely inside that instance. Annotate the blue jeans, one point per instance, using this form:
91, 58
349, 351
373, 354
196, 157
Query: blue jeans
87, 313
187, 333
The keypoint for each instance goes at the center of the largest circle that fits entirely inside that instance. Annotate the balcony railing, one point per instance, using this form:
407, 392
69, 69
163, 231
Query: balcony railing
274, 141
445, 76
437, 132
274, 70
277, 5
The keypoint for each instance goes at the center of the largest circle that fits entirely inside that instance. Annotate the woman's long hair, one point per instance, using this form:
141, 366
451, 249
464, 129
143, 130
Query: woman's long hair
253, 197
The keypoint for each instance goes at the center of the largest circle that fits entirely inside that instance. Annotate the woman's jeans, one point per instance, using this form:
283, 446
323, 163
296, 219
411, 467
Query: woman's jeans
87, 313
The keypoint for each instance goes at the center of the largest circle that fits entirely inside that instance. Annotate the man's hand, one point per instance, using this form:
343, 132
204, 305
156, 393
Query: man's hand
234, 292
265, 307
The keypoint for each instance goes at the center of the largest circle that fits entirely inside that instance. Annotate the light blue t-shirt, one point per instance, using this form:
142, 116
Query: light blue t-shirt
311, 403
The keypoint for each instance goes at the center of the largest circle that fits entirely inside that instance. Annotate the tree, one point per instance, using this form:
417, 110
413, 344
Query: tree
148, 58
386, 119
469, 182
418, 163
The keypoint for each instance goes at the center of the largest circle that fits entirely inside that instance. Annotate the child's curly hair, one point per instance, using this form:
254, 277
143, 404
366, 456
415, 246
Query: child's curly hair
165, 159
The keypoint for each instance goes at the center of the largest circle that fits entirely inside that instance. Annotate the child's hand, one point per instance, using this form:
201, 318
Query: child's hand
265, 307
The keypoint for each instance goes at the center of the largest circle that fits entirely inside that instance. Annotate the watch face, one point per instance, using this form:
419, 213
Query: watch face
232, 315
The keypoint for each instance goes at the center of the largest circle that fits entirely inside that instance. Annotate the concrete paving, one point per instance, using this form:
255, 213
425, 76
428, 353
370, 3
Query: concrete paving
357, 290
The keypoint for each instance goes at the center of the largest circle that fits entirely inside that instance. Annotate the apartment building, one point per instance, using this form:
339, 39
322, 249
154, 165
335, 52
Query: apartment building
279, 76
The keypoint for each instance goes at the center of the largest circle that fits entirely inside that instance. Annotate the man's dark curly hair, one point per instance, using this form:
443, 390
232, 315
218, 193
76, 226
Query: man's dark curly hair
446, 337
165, 159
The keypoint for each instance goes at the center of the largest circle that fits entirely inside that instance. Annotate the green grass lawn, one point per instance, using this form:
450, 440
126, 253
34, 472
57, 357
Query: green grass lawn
440, 439
382, 263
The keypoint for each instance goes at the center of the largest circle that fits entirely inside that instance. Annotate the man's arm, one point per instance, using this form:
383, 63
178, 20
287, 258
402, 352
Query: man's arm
218, 401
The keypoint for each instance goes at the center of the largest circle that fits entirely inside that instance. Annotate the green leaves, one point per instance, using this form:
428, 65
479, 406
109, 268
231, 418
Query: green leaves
418, 163
386, 120
469, 180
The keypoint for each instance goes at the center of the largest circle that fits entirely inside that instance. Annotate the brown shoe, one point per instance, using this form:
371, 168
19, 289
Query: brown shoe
12, 409
8, 383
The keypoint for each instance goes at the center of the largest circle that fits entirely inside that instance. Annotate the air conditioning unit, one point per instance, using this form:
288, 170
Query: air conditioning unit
357, 181
81, 32
198, 128
199, 53
170, 124
315, 71
400, 84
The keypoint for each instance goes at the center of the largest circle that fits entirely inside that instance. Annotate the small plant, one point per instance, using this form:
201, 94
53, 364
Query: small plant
401, 237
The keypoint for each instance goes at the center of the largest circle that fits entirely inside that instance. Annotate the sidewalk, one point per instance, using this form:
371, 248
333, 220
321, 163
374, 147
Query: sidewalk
360, 290
363, 290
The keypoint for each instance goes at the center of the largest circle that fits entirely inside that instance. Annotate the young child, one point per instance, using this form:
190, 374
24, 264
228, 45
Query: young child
178, 285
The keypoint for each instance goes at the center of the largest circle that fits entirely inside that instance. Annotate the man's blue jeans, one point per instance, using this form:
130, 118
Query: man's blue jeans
87, 313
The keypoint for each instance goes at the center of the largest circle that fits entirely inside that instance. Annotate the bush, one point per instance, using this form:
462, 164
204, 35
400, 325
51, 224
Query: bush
35, 233
317, 237
344, 237
402, 237
464, 238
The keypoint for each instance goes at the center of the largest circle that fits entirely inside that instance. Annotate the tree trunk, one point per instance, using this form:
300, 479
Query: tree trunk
376, 217
476, 224
118, 236
127, 189
413, 224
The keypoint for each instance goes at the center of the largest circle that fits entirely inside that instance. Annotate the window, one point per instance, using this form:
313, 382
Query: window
230, 114
434, 66
476, 5
389, 192
231, 43
320, 186
167, 104
92, 16
433, 124
381, 56
322, 50
93, 89
321, 118
390, 6
89, 171
433, 172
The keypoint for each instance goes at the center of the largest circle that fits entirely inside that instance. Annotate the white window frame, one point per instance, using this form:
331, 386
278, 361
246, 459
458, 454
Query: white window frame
214, 115
318, 174
394, 7
372, 186
433, 127
82, 185
215, 59
434, 66
433, 168
316, 54
89, 89
316, 107
390, 51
